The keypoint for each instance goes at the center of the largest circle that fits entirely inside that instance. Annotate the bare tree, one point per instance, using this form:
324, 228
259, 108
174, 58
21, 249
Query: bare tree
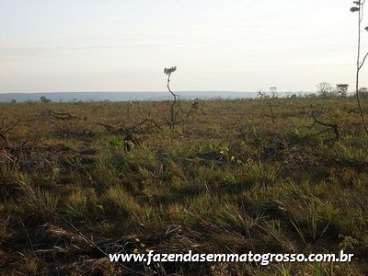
324, 89
269, 102
273, 90
168, 72
358, 7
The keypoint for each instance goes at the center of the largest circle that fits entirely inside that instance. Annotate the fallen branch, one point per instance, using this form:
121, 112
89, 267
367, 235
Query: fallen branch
131, 135
63, 116
333, 126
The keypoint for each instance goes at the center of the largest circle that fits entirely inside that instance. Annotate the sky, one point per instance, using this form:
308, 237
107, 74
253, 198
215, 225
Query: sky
124, 45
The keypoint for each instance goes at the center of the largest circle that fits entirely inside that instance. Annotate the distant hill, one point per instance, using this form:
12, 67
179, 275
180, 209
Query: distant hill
121, 96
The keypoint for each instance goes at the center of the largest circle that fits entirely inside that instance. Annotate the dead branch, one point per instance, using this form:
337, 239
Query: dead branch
333, 126
3, 138
63, 116
139, 127
131, 135
92, 244
5, 128
110, 128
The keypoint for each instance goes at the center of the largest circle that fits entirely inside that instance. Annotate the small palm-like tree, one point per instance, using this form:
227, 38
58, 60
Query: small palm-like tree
168, 72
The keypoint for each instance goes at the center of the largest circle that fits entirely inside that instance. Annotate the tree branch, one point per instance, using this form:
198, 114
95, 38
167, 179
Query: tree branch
363, 61
333, 127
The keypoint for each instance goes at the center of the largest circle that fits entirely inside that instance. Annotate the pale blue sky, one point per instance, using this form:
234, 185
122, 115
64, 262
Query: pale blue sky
123, 45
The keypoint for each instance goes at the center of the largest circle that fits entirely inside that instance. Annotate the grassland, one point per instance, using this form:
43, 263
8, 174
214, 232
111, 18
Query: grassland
78, 180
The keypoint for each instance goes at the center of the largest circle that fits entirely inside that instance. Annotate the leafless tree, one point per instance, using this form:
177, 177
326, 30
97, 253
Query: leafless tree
168, 72
269, 102
273, 90
324, 89
358, 7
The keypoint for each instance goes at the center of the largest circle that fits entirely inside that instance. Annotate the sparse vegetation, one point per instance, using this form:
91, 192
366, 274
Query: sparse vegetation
234, 180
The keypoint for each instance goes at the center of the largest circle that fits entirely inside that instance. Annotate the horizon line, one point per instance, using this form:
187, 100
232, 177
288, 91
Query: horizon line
155, 91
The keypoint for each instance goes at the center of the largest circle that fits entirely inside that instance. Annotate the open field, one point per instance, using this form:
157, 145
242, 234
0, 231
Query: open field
78, 180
